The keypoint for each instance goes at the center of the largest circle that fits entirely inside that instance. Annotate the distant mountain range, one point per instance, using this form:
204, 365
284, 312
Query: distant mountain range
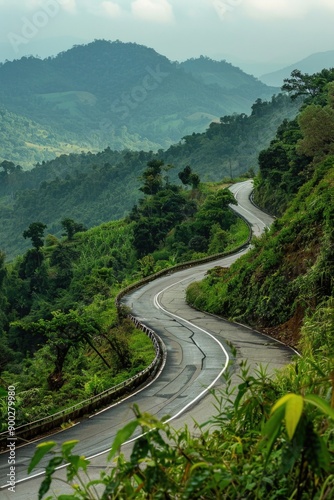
121, 95
311, 64
96, 188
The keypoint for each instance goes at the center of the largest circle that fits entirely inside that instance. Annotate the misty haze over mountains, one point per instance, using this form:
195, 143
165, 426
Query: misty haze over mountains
122, 95
311, 64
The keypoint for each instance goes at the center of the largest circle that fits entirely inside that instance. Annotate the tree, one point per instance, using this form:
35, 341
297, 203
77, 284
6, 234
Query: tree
187, 177
308, 85
8, 166
36, 233
218, 239
66, 331
216, 210
152, 177
145, 236
62, 259
5, 352
71, 228
118, 339
184, 175
317, 126
194, 181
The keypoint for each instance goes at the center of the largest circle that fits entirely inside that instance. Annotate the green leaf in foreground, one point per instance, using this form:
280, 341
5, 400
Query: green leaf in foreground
50, 469
272, 429
68, 446
282, 401
293, 405
122, 436
41, 451
293, 411
321, 404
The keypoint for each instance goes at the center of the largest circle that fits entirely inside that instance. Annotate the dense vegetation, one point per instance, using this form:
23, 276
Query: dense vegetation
231, 146
272, 437
58, 317
289, 272
26, 142
90, 188
299, 144
120, 95
266, 444
96, 188
61, 340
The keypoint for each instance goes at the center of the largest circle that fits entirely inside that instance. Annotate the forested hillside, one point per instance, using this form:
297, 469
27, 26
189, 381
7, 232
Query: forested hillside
26, 142
96, 188
90, 188
299, 144
231, 146
271, 437
60, 337
288, 275
225, 75
121, 95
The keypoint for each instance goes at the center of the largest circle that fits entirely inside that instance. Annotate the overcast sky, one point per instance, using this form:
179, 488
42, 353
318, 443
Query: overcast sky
257, 35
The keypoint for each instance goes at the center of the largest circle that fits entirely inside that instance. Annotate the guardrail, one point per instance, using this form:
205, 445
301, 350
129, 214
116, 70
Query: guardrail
88, 406
114, 394
185, 265
251, 199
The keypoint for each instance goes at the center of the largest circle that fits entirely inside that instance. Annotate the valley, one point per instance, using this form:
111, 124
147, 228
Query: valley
156, 163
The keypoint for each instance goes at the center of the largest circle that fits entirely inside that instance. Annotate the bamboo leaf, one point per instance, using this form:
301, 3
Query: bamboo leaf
321, 404
282, 401
67, 447
272, 429
274, 422
44, 488
293, 411
49, 470
122, 436
42, 449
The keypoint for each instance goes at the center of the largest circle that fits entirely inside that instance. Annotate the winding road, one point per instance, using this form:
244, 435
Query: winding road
197, 356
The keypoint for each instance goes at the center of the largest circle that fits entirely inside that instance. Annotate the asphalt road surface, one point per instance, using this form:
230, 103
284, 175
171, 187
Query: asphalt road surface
198, 354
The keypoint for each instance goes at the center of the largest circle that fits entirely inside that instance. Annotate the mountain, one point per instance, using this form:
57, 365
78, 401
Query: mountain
288, 275
96, 188
26, 142
39, 48
231, 147
223, 74
91, 188
311, 64
124, 95
62, 341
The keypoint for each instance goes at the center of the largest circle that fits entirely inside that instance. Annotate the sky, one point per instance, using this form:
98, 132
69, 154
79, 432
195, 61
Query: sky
257, 35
